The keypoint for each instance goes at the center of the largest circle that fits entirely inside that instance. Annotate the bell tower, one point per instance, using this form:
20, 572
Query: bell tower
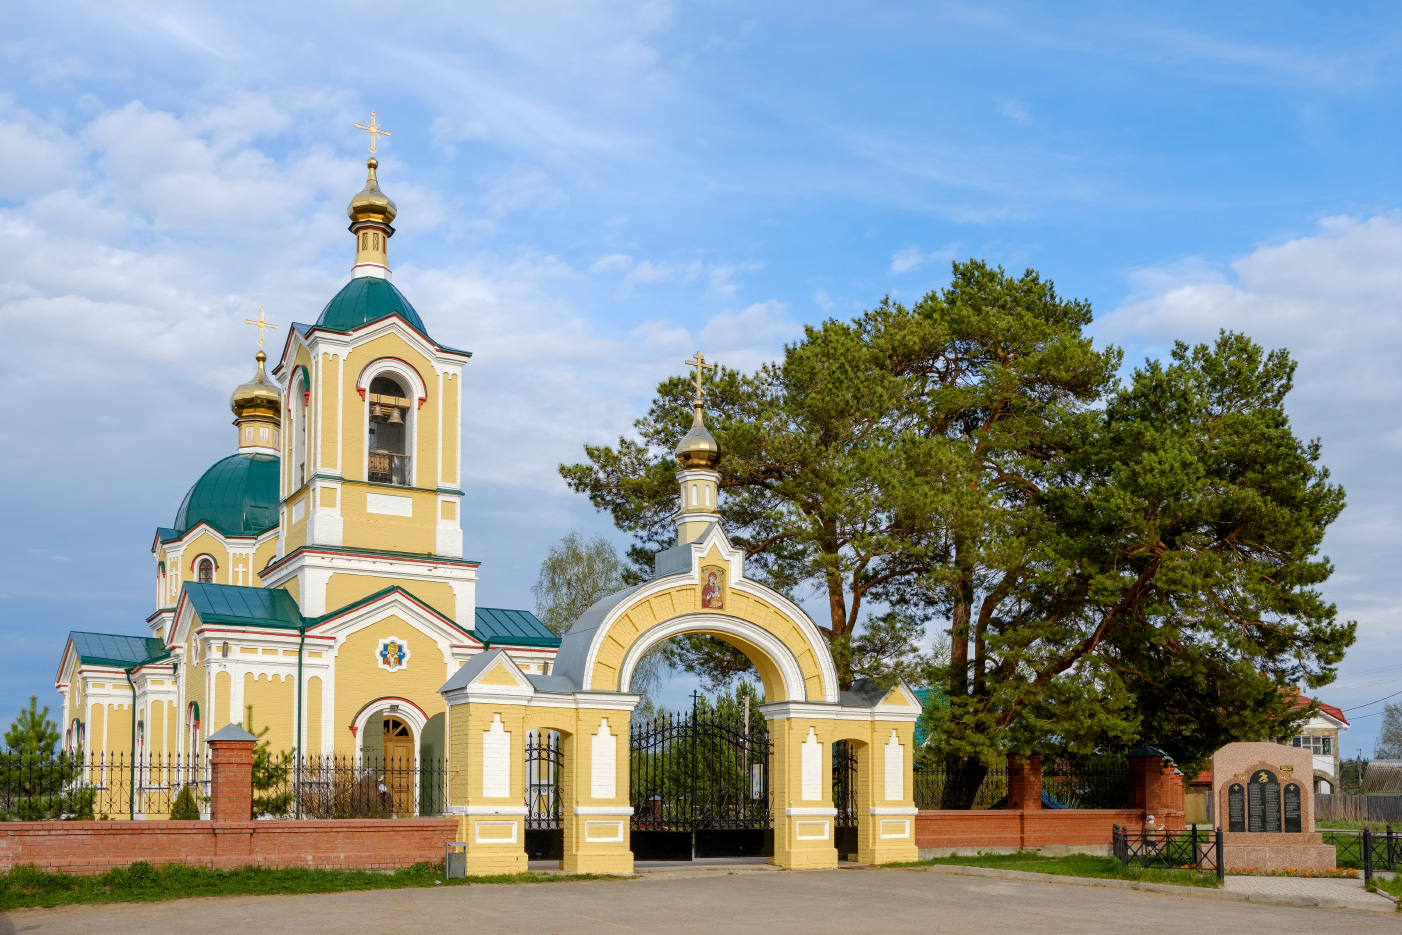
372, 477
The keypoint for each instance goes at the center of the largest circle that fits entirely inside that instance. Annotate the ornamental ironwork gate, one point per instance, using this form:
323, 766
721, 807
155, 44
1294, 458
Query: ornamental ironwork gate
844, 798
545, 834
699, 786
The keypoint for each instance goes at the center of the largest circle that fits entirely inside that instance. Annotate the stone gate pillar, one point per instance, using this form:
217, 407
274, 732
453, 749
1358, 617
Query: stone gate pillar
886, 794
800, 792
594, 791
487, 701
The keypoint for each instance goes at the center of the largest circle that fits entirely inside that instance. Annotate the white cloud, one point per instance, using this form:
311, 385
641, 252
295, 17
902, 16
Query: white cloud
910, 259
1014, 110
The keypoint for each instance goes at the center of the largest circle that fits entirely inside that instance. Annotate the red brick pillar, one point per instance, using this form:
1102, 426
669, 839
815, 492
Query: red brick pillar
231, 774
1025, 782
1156, 786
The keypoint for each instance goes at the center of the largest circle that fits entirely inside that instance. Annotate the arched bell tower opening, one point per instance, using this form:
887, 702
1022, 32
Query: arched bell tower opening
388, 416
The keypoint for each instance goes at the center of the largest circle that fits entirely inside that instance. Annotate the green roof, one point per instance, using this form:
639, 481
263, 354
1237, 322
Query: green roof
274, 607
364, 300
496, 626
237, 496
111, 649
227, 603
926, 697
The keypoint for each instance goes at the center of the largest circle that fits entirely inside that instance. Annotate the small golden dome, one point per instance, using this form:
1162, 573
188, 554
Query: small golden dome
257, 397
698, 449
371, 204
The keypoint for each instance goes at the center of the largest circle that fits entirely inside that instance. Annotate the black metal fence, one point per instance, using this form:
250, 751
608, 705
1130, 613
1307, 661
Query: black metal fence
102, 786
545, 760
1169, 850
1097, 782
348, 786
1366, 850
931, 783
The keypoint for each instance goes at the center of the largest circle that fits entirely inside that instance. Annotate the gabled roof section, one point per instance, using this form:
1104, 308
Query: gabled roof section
1328, 710
496, 626
112, 649
259, 607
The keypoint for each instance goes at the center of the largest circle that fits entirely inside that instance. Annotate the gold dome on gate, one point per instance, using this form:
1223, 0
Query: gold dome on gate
698, 448
258, 396
371, 204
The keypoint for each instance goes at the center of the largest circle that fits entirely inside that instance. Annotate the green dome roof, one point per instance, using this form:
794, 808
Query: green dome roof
364, 300
238, 497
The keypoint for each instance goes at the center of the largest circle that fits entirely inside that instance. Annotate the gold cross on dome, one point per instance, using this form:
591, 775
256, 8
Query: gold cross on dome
261, 324
699, 362
373, 129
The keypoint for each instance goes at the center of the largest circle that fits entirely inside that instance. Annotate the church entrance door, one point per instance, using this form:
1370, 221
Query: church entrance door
399, 764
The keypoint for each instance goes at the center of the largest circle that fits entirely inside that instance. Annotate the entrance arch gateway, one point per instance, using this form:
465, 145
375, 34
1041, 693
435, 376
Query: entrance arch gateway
699, 586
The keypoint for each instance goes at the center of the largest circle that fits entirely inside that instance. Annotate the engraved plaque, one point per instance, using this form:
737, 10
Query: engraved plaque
1236, 807
1263, 802
1292, 809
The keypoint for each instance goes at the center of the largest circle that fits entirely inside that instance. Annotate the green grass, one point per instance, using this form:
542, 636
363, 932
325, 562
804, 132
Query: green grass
25, 887
1075, 865
1350, 825
1392, 886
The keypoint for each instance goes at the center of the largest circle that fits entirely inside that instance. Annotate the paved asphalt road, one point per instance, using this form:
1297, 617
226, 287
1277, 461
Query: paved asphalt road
815, 903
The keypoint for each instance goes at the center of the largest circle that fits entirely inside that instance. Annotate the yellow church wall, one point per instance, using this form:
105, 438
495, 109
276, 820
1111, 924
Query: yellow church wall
344, 589
292, 586
274, 703
311, 700
327, 438
451, 427
366, 530
193, 677
220, 712
360, 679
264, 554
296, 530
658, 608
205, 544
97, 732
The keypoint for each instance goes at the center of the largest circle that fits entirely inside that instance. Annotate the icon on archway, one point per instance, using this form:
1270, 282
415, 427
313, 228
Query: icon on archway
712, 587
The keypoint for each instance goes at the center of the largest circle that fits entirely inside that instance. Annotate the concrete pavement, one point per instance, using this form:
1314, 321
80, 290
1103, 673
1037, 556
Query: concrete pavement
803, 903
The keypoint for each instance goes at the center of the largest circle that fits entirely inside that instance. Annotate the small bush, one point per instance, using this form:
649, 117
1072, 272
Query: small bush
186, 806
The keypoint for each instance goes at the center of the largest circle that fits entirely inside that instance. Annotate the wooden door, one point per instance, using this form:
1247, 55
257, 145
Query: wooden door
399, 765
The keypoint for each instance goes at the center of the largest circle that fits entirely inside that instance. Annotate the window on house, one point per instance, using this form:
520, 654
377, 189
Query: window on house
1321, 746
389, 432
205, 571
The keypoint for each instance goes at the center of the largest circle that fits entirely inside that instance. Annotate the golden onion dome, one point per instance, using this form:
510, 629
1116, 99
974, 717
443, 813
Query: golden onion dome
258, 397
698, 448
371, 204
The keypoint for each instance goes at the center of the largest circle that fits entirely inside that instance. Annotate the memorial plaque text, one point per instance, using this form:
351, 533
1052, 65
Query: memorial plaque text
1263, 802
1292, 808
1236, 807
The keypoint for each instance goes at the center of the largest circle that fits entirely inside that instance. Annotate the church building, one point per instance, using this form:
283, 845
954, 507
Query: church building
313, 581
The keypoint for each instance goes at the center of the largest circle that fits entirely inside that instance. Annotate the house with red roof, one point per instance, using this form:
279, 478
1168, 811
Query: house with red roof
1320, 735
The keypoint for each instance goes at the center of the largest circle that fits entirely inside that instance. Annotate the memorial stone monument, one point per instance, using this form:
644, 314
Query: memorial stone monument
1264, 802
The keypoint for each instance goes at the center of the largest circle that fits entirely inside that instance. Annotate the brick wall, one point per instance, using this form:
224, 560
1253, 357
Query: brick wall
98, 846
1075, 828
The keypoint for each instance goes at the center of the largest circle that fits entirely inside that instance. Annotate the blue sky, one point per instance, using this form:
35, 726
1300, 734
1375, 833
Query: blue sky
590, 191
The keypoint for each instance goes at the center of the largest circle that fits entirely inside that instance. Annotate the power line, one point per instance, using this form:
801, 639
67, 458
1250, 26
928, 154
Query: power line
1371, 703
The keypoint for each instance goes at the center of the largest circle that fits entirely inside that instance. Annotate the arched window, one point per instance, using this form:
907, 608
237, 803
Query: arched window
192, 730
297, 409
388, 441
204, 571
